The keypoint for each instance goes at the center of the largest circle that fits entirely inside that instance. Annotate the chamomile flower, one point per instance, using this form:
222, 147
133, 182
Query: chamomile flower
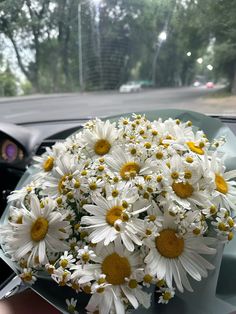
28, 276
45, 163
224, 225
41, 230
74, 244
109, 220
100, 139
118, 265
166, 295
85, 254
172, 256
64, 177
123, 191
71, 306
187, 194
50, 268
127, 166
61, 276
224, 183
23, 195
66, 260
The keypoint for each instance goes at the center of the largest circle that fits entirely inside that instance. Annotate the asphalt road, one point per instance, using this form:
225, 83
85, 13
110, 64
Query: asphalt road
101, 104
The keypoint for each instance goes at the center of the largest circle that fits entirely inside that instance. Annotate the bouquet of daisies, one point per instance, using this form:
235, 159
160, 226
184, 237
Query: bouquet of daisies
119, 207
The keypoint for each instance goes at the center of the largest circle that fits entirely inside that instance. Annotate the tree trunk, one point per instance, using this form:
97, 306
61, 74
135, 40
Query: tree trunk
18, 56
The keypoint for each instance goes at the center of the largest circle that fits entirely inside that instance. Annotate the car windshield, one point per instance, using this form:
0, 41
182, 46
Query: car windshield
84, 58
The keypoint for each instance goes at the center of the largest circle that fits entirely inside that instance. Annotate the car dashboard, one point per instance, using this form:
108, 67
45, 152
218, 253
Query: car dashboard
20, 142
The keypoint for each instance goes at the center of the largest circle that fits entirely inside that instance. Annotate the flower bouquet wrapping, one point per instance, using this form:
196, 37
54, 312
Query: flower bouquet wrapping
124, 211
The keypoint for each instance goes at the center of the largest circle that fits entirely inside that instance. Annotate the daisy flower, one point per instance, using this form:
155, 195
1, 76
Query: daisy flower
71, 306
166, 295
127, 166
186, 193
61, 276
23, 195
172, 255
224, 225
109, 220
123, 190
223, 183
66, 260
119, 266
99, 140
41, 230
64, 178
28, 276
45, 163
85, 254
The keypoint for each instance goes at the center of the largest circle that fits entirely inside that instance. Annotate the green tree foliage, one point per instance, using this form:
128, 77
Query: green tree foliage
120, 41
8, 85
219, 21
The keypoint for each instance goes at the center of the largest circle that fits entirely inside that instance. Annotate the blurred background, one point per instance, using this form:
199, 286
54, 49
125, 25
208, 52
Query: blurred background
58, 46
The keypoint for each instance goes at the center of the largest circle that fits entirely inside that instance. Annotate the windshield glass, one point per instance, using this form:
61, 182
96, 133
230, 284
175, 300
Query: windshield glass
75, 59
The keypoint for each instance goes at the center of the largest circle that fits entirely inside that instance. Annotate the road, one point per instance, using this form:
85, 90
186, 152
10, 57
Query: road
101, 104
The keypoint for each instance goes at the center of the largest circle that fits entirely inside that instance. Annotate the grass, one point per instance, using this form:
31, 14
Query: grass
221, 93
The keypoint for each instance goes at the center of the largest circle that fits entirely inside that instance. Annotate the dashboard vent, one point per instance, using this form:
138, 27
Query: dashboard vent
58, 137
46, 143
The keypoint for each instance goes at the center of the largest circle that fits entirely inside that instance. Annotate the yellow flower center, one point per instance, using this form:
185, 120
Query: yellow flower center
166, 296
168, 244
116, 268
93, 186
100, 290
133, 284
26, 277
161, 283
183, 190
102, 147
71, 308
129, 170
115, 193
61, 184
39, 229
221, 184
86, 257
152, 217
174, 175
19, 219
101, 280
189, 159
114, 214
87, 289
230, 236
159, 155
147, 278
188, 174
231, 222
48, 164
75, 286
195, 148
125, 204
64, 263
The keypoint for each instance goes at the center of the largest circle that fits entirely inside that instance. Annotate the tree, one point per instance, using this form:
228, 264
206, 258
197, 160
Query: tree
8, 86
119, 41
23, 23
218, 21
